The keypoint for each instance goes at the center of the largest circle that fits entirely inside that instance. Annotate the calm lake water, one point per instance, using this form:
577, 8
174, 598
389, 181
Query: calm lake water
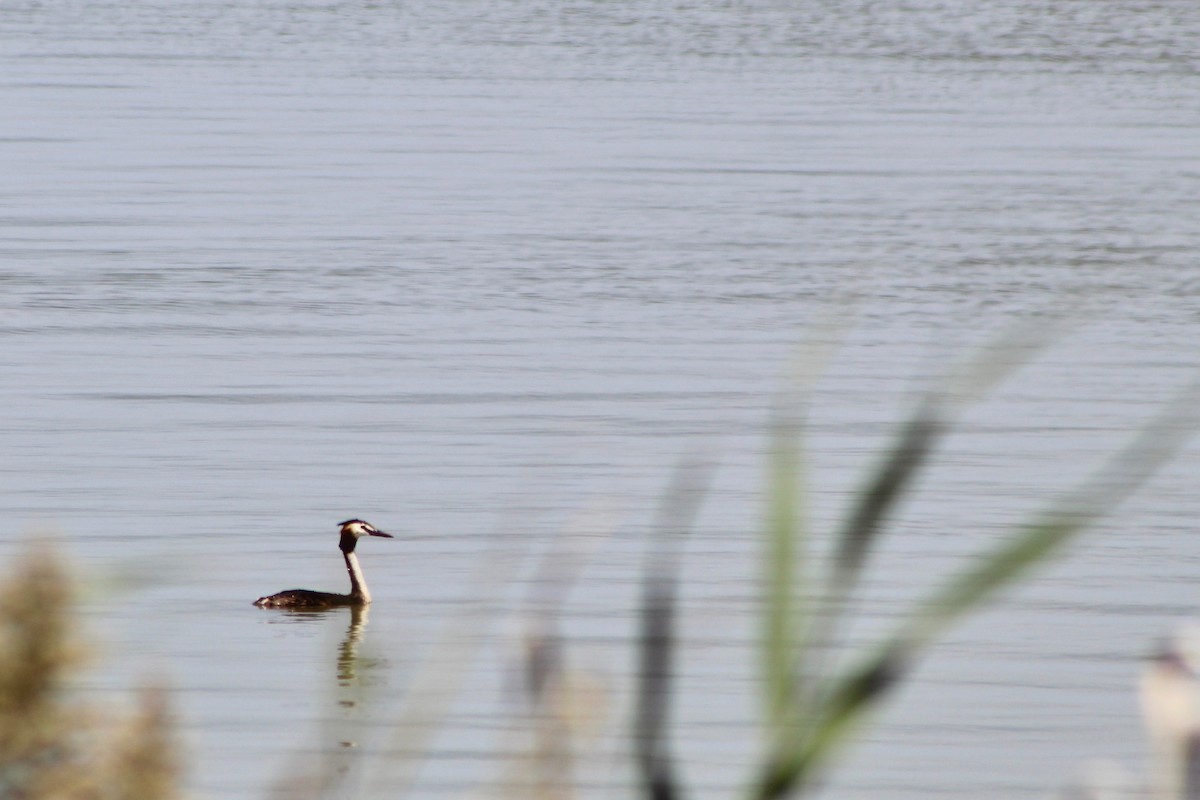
485, 270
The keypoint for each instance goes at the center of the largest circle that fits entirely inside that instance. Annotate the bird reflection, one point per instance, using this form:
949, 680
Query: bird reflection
356, 677
347, 661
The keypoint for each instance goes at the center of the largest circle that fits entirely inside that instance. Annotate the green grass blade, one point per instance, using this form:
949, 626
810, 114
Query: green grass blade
889, 484
855, 692
785, 621
860, 689
801, 728
1155, 444
896, 473
785, 537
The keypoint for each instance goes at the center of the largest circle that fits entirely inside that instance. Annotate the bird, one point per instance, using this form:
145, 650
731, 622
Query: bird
306, 599
1170, 695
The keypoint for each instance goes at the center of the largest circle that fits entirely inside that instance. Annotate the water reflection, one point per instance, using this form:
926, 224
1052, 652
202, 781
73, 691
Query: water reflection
347, 661
351, 691
356, 678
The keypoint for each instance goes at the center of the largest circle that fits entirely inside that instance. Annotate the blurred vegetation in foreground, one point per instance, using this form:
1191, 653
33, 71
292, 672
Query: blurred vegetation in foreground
818, 691
53, 747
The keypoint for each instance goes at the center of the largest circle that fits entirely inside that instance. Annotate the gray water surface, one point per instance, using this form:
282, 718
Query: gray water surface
481, 269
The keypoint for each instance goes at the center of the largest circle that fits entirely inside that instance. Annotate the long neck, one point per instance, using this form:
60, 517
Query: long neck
358, 584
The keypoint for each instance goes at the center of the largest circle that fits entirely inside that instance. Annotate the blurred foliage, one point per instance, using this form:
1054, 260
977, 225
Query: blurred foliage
52, 746
816, 694
818, 689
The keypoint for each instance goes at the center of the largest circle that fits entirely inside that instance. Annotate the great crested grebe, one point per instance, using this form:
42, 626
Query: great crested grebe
352, 529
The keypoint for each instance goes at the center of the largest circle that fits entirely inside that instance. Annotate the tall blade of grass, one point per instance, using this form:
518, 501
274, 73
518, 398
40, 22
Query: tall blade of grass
861, 688
785, 618
785, 537
794, 683
1158, 441
797, 693
655, 767
967, 383
657, 640
888, 485
796, 770
894, 476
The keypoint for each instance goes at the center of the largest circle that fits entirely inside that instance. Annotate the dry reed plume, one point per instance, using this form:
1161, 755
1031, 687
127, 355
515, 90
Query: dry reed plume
53, 746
